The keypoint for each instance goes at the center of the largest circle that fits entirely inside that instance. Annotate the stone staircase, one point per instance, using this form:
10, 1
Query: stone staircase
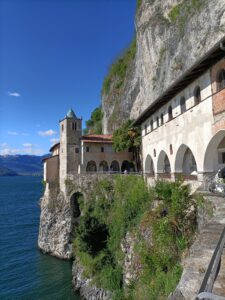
196, 263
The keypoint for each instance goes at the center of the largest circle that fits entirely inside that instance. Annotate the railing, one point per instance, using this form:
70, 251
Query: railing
205, 291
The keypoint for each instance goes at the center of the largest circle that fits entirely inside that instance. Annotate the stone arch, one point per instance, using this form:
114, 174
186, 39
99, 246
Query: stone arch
149, 165
103, 166
127, 166
185, 161
91, 166
163, 164
115, 166
214, 157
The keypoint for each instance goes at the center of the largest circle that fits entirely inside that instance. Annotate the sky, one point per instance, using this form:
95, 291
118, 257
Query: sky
54, 54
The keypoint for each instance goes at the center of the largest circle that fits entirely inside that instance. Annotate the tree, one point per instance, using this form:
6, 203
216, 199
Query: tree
94, 124
128, 137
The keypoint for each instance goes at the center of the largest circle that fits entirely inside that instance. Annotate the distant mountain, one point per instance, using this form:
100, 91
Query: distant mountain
7, 172
22, 164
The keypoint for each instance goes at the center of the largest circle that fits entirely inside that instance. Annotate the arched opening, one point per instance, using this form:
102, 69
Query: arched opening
220, 80
103, 166
214, 158
182, 105
185, 162
157, 121
115, 167
197, 95
163, 165
151, 125
91, 166
170, 113
149, 166
162, 120
75, 201
127, 166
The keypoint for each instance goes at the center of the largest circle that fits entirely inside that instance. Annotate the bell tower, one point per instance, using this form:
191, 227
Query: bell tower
70, 146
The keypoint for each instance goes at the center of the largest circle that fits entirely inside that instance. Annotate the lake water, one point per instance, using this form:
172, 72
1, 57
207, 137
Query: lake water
25, 272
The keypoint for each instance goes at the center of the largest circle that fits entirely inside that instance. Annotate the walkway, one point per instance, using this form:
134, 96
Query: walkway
196, 264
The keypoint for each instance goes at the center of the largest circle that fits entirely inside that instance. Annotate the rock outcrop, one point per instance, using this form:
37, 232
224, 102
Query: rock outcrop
84, 286
55, 226
171, 36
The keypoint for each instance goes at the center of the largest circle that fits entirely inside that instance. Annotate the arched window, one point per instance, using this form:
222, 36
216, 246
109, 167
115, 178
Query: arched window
170, 113
62, 127
220, 80
115, 167
171, 149
145, 129
157, 121
91, 166
182, 105
197, 95
151, 124
162, 120
154, 152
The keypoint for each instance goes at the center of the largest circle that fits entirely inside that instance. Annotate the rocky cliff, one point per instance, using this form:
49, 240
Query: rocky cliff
171, 36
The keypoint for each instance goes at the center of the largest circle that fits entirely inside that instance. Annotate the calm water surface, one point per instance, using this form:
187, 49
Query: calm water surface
26, 273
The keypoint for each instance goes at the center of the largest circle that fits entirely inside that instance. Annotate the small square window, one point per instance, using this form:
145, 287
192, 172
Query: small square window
102, 149
77, 150
87, 149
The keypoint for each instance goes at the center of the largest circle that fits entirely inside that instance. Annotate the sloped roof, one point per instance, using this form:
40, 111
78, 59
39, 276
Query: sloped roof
97, 138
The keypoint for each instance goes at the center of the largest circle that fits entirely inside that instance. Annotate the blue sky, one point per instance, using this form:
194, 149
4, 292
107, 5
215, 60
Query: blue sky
54, 55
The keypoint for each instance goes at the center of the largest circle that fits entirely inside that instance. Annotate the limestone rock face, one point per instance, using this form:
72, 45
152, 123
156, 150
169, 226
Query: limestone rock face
168, 44
84, 287
55, 227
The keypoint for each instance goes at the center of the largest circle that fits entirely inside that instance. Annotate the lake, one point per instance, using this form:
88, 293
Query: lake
25, 272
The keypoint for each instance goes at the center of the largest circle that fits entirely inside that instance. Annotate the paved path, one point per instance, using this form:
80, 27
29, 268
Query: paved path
196, 264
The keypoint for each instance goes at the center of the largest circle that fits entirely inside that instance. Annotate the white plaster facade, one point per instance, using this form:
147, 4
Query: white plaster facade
190, 142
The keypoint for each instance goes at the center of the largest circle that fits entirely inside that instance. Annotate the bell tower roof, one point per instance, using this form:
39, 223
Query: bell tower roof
71, 114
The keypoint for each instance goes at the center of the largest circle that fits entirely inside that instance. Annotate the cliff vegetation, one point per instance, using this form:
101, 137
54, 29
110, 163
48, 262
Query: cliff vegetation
94, 124
161, 233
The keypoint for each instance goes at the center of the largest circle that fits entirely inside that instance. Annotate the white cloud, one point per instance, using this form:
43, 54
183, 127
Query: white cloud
32, 151
3, 145
14, 94
47, 132
54, 140
28, 145
26, 150
12, 132
9, 151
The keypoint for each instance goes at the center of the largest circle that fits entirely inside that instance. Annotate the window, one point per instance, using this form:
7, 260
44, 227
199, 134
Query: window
102, 149
145, 129
62, 127
162, 121
75, 126
182, 105
77, 150
157, 121
170, 113
87, 149
151, 124
197, 95
220, 80
72, 126
171, 149
154, 152
223, 157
